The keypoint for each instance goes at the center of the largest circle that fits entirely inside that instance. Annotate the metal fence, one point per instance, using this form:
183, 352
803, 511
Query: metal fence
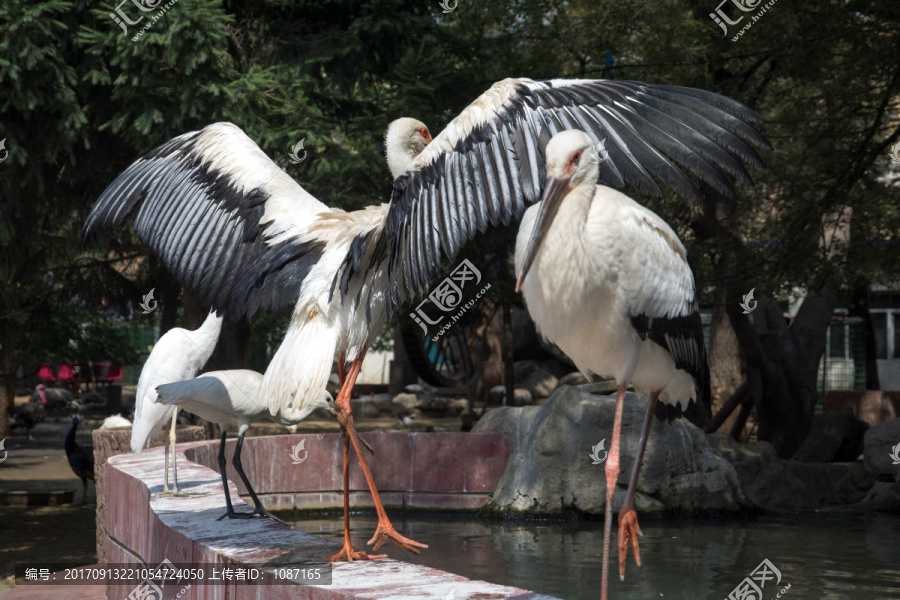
844, 365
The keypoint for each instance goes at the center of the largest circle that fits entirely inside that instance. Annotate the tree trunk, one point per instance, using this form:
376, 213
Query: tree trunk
861, 309
168, 294
509, 373
8, 373
726, 369
787, 360
491, 350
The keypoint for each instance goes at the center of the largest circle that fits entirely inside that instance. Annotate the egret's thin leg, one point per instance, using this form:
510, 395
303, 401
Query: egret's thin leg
174, 458
384, 532
612, 475
229, 511
628, 522
166, 449
259, 509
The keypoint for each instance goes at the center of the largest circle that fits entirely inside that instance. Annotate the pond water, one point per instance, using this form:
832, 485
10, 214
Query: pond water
822, 555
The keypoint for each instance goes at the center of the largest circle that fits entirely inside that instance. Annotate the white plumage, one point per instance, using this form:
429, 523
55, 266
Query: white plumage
115, 422
226, 398
611, 258
242, 236
607, 281
179, 354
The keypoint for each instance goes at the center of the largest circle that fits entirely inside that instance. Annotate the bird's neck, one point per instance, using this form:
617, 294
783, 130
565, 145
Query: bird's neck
70, 438
573, 212
399, 155
208, 334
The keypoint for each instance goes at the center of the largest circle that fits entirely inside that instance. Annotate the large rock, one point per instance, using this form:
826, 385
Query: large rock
836, 436
424, 404
772, 483
574, 378
880, 443
550, 469
540, 383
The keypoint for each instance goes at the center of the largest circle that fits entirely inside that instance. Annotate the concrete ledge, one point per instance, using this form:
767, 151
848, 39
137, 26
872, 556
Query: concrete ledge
418, 470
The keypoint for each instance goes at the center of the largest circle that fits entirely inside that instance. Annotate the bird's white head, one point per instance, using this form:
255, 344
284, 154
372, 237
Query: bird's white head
568, 166
290, 415
405, 139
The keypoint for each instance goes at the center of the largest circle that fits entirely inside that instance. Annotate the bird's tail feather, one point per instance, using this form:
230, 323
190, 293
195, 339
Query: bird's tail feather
295, 380
153, 417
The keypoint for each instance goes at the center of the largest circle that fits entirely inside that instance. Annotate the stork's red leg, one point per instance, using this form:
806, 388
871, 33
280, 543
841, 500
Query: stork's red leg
612, 475
342, 371
385, 532
347, 552
628, 522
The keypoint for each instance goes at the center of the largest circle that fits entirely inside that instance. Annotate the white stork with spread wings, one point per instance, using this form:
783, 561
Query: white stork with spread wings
241, 235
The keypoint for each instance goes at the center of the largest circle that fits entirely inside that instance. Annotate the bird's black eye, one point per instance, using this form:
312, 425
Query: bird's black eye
576, 156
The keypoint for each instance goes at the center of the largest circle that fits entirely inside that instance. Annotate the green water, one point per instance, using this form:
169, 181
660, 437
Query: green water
827, 556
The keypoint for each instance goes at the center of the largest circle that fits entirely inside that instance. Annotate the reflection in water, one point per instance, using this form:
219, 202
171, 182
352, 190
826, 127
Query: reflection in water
827, 556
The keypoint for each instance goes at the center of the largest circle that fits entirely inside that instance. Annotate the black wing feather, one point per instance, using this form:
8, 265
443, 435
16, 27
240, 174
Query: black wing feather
682, 338
207, 229
652, 131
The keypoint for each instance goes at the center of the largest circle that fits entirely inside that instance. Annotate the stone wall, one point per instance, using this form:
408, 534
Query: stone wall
111, 442
416, 468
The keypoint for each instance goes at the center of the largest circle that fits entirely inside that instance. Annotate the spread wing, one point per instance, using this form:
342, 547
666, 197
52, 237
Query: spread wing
488, 165
226, 221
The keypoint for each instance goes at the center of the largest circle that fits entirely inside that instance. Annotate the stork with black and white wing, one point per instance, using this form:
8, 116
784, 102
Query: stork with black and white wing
242, 236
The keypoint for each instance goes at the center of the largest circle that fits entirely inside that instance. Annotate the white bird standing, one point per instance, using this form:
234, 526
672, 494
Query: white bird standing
241, 235
179, 354
226, 398
586, 249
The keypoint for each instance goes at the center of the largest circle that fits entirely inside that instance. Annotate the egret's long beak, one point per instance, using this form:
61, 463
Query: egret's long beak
555, 190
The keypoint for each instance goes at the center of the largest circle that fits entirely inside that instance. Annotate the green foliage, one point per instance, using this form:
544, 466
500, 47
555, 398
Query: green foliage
80, 100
